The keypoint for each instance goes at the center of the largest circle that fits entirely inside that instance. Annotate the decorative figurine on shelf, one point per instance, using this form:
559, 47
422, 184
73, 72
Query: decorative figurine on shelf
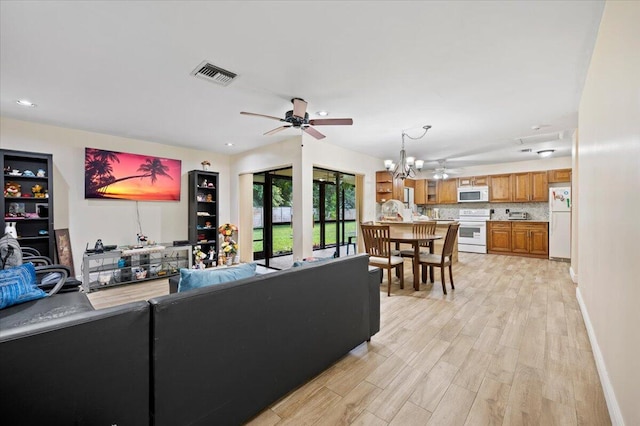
11, 229
200, 196
210, 185
38, 191
142, 239
209, 198
198, 257
207, 225
12, 189
205, 165
41, 173
203, 184
28, 173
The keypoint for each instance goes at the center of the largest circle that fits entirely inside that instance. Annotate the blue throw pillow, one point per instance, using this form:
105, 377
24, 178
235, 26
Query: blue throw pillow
196, 278
18, 285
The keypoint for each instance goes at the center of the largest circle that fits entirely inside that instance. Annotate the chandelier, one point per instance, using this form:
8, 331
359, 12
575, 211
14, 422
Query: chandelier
407, 166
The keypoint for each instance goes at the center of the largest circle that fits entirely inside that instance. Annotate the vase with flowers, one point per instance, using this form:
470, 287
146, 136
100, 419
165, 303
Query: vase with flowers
229, 246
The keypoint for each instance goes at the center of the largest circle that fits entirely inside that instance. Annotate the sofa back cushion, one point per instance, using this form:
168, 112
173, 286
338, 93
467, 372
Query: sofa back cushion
223, 353
197, 278
87, 368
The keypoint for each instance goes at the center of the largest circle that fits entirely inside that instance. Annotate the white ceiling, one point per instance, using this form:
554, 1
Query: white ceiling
481, 73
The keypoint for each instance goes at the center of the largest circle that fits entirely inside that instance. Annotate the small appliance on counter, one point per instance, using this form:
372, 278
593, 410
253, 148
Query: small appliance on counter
518, 215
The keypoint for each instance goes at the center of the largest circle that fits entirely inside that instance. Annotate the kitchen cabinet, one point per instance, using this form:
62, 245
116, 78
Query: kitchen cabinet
387, 187
529, 187
420, 194
539, 186
521, 189
432, 191
499, 237
447, 191
500, 188
559, 176
529, 239
426, 191
473, 181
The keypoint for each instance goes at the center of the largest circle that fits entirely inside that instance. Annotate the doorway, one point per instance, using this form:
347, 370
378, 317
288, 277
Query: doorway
334, 213
272, 213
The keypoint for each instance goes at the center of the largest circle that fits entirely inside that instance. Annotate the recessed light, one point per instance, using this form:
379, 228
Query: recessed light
322, 113
546, 152
26, 103
228, 144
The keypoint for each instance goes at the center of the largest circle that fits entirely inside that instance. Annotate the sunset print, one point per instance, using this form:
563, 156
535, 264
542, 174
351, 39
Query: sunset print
117, 175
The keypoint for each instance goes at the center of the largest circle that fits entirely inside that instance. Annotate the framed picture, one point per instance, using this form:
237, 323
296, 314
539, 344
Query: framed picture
125, 176
63, 248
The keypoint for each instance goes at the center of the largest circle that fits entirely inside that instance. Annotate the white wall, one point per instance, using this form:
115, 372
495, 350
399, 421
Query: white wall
114, 221
609, 188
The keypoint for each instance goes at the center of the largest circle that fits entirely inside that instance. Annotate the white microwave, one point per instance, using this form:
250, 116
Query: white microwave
473, 194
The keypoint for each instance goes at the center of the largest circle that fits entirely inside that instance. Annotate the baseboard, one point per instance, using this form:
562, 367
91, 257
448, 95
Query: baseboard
574, 276
609, 394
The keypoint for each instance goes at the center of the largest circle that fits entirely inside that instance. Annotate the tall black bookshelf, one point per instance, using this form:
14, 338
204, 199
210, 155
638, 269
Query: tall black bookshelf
203, 210
31, 209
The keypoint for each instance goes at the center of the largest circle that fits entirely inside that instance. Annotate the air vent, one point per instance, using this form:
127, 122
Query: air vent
214, 74
547, 137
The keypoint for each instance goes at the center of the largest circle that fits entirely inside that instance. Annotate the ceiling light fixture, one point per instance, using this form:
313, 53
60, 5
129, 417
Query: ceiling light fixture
228, 144
322, 113
407, 166
26, 103
546, 152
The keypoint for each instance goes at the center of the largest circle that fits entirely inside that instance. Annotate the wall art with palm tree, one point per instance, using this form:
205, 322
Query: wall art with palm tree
118, 175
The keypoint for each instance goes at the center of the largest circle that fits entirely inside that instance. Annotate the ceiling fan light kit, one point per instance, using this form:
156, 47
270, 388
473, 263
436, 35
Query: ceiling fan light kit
546, 152
298, 118
407, 166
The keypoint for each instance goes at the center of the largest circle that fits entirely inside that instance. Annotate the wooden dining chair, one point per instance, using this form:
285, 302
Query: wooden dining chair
441, 260
378, 246
421, 229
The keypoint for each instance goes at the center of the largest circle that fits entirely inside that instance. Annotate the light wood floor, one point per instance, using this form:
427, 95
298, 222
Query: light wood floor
507, 347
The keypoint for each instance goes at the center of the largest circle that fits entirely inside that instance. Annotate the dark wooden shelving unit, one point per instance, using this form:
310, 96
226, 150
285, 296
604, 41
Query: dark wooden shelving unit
33, 230
203, 208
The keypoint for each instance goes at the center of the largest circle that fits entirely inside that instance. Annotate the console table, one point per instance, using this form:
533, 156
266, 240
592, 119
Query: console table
128, 265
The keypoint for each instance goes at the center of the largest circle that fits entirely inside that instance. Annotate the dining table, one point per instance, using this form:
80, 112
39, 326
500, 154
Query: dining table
408, 237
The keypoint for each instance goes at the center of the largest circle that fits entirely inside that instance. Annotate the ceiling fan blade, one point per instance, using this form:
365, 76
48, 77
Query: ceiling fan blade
276, 130
331, 121
261, 115
313, 132
299, 107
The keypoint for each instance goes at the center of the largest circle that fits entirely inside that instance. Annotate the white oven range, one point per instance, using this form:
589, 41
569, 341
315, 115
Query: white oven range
472, 234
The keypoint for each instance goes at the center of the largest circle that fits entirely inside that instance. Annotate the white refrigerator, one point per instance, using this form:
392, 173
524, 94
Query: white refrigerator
560, 222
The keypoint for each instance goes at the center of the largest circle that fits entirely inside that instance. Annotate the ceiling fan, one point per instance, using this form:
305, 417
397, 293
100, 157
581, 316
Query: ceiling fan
298, 118
442, 172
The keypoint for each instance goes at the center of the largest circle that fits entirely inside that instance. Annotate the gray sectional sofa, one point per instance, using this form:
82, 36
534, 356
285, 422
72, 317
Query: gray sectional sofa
216, 355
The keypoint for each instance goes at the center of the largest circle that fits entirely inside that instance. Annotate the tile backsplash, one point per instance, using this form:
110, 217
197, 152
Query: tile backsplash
537, 211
